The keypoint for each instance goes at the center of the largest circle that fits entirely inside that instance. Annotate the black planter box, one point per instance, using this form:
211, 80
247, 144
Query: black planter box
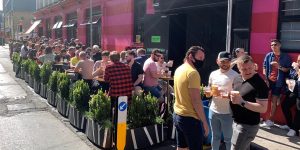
51, 98
36, 86
77, 119
15, 67
62, 106
97, 134
144, 137
22, 73
26, 77
43, 90
30, 81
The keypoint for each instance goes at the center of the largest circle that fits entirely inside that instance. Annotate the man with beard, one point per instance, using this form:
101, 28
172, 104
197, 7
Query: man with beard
220, 113
136, 71
248, 100
189, 117
151, 75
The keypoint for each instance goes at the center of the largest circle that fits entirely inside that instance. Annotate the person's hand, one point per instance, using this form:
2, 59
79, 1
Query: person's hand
235, 98
206, 129
274, 64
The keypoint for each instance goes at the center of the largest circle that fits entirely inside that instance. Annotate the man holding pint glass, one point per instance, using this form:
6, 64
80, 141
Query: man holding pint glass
249, 98
220, 116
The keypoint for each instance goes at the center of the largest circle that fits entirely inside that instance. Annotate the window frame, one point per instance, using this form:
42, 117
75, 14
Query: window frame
282, 19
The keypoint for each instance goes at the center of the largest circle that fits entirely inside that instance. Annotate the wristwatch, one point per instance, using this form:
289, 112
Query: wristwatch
243, 103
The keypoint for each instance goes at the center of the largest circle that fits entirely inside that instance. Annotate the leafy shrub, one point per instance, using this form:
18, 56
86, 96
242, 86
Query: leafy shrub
143, 111
45, 73
99, 109
63, 85
25, 64
79, 95
52, 84
16, 58
34, 70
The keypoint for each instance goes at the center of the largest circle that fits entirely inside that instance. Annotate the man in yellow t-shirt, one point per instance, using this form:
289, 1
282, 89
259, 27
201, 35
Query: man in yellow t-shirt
74, 60
189, 118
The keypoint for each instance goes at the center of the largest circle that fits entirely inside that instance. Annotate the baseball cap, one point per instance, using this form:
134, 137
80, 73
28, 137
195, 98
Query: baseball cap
224, 56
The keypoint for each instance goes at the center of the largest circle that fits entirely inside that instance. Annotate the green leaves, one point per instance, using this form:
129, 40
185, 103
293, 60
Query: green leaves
34, 70
52, 84
99, 108
79, 95
63, 85
25, 64
143, 111
45, 73
16, 58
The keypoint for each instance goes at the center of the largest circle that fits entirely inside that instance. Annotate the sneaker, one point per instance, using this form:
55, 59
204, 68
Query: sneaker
267, 123
291, 132
284, 127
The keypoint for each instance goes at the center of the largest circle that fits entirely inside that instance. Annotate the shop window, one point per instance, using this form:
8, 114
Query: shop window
57, 27
289, 25
71, 26
48, 28
93, 25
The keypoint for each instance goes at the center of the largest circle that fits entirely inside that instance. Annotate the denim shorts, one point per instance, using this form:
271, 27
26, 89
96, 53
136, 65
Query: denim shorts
274, 89
189, 132
154, 90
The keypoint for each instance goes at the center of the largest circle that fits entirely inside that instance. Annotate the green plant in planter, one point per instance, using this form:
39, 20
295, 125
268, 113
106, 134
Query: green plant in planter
99, 109
143, 111
63, 85
25, 64
16, 58
52, 83
34, 70
79, 95
45, 73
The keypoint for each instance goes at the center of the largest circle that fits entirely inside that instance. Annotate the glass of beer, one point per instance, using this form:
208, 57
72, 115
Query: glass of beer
207, 91
215, 90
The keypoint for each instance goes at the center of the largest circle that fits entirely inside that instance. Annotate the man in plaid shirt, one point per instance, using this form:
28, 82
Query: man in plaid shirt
118, 75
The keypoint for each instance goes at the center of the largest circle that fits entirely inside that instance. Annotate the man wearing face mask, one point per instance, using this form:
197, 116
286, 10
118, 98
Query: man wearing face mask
151, 75
189, 117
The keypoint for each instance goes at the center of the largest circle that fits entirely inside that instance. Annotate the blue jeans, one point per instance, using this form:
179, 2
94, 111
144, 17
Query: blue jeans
154, 90
220, 123
189, 132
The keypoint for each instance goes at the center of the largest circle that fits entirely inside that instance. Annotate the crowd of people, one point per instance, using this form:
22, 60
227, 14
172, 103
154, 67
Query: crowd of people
101, 69
238, 93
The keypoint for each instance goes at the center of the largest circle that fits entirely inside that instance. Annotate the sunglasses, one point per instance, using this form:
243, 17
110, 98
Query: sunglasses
274, 44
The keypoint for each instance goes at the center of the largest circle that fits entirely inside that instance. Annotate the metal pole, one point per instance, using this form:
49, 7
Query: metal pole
229, 19
91, 24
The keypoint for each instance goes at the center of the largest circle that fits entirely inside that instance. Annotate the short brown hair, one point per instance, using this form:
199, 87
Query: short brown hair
193, 50
244, 59
276, 41
155, 51
131, 52
114, 56
141, 51
105, 53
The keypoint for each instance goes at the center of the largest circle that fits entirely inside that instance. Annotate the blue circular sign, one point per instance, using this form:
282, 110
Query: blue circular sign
122, 106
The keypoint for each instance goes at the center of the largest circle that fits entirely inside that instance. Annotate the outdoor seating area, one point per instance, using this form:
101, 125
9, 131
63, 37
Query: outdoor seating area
90, 111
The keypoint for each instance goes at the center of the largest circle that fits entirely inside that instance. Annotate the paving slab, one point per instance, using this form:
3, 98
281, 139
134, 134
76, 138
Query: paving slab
37, 131
16, 107
6, 79
12, 91
2, 70
275, 138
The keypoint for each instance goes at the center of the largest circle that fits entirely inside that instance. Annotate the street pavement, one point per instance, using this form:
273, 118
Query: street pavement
27, 122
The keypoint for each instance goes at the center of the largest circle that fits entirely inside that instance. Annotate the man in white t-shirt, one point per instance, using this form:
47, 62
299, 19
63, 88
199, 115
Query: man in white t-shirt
220, 113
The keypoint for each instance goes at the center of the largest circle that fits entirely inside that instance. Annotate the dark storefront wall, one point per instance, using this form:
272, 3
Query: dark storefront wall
205, 27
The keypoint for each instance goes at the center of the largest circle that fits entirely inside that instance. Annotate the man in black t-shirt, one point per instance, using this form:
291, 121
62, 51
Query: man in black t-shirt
136, 71
249, 98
